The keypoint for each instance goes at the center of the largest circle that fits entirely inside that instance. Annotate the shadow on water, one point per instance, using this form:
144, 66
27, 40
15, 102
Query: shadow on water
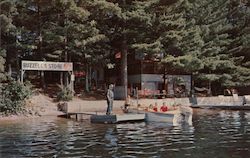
213, 134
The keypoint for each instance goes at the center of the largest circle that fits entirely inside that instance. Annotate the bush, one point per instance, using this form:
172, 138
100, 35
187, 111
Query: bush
12, 97
65, 94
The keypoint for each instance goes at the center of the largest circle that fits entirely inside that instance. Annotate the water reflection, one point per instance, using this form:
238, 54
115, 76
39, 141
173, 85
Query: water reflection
213, 134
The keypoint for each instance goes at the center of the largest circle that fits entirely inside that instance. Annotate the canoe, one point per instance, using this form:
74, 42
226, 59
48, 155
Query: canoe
183, 114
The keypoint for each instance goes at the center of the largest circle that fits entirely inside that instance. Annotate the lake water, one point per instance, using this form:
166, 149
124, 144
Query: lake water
213, 134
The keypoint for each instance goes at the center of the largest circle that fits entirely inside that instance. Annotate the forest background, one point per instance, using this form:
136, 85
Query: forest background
206, 38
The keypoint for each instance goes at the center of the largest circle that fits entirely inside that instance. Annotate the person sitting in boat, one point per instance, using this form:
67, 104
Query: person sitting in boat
155, 108
175, 106
142, 107
164, 107
150, 107
127, 104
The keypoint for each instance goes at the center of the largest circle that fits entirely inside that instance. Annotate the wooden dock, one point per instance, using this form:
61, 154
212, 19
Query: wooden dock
117, 118
80, 115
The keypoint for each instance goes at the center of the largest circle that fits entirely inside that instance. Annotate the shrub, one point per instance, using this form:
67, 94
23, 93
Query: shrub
12, 97
65, 94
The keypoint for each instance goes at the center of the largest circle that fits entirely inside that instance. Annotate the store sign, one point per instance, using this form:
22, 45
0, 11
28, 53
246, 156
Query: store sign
47, 66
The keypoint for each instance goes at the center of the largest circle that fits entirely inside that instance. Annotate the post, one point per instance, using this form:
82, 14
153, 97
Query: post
72, 79
43, 80
61, 79
22, 72
137, 96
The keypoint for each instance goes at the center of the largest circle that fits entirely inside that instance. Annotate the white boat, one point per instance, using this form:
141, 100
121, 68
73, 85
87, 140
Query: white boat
182, 114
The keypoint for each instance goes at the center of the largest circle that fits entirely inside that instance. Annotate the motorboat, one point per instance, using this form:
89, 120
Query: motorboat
178, 115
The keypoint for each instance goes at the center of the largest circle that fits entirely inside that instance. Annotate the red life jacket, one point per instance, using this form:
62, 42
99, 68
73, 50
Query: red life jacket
164, 108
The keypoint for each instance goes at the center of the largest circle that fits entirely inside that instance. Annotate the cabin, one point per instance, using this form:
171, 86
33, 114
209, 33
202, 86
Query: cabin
148, 77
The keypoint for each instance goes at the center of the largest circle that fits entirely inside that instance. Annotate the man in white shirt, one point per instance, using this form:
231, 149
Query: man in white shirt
110, 99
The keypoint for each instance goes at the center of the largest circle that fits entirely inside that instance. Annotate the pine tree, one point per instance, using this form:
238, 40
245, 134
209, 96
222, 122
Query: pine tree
180, 37
61, 31
207, 44
7, 30
239, 17
221, 64
2, 62
127, 25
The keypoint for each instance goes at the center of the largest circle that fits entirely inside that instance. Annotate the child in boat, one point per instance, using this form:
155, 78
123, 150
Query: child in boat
150, 107
141, 107
164, 107
155, 108
127, 103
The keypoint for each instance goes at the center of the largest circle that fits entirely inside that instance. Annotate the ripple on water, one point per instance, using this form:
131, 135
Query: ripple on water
215, 134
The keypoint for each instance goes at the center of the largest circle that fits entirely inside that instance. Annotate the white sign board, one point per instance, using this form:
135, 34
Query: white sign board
47, 66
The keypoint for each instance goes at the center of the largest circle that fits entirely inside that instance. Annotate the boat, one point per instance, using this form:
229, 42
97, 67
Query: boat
182, 114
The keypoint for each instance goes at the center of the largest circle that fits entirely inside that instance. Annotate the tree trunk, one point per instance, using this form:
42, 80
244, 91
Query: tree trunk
18, 69
9, 69
192, 93
90, 77
61, 79
124, 68
209, 88
42, 81
164, 79
87, 78
66, 55
66, 79
124, 64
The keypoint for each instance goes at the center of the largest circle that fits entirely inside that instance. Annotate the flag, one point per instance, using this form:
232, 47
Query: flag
118, 55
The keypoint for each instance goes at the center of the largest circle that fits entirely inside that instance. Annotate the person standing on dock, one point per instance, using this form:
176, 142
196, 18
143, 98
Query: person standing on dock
110, 99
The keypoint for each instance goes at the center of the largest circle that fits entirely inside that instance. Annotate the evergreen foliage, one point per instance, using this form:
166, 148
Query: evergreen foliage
7, 10
2, 62
65, 94
209, 39
127, 24
211, 44
12, 97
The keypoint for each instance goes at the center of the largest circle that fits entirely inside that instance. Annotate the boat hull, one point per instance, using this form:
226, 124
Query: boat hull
174, 118
171, 119
117, 118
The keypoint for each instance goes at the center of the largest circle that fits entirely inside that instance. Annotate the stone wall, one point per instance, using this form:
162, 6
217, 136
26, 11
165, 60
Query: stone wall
100, 106
169, 101
218, 100
247, 99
